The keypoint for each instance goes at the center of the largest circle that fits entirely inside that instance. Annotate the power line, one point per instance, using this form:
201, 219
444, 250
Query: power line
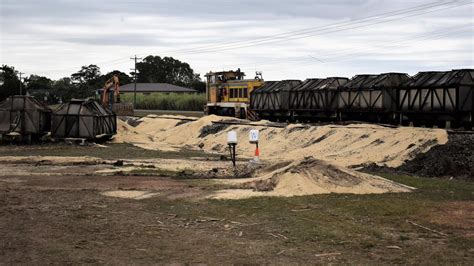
296, 37
341, 58
309, 32
339, 51
336, 27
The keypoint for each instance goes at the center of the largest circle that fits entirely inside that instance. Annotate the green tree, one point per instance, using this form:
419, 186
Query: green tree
10, 80
86, 81
155, 69
64, 89
41, 87
35, 82
123, 77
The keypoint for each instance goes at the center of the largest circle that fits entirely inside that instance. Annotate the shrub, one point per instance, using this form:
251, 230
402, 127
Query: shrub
165, 101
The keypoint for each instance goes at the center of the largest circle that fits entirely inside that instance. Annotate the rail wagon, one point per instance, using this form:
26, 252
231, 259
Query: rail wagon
272, 100
316, 99
371, 97
440, 98
24, 117
83, 119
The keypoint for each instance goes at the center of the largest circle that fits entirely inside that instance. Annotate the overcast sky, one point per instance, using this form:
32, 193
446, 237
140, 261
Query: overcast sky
295, 39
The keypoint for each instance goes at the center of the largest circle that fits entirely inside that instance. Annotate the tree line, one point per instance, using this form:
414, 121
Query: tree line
85, 82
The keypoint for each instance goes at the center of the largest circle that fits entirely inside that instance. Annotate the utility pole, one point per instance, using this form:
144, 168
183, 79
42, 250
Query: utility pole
135, 80
21, 89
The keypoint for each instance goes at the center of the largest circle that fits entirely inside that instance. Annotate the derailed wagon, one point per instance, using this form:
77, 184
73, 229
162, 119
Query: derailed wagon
371, 97
441, 98
272, 100
83, 119
24, 118
316, 99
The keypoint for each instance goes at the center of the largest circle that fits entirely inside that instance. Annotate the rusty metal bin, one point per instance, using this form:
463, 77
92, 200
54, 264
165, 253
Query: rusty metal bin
85, 119
24, 116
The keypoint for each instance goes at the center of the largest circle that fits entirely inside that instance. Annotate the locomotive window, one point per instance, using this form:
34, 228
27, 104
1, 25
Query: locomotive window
246, 93
241, 93
232, 92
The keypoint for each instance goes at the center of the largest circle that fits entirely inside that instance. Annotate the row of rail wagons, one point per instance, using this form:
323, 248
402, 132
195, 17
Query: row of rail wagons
444, 99
26, 119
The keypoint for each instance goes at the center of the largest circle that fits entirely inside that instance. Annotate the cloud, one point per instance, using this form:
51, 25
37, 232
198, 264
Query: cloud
55, 38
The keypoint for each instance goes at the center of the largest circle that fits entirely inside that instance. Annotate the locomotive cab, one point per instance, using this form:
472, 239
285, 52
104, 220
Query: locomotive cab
228, 93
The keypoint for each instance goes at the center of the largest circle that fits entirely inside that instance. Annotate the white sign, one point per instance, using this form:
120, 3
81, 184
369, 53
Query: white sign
253, 136
232, 137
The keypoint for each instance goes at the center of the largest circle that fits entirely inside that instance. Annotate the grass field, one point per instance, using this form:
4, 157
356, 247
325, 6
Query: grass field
171, 101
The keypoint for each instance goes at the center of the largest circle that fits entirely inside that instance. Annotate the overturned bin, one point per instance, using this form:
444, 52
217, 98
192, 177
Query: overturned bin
83, 119
24, 117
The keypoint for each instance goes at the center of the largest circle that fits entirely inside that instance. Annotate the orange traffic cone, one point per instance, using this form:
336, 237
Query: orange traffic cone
257, 154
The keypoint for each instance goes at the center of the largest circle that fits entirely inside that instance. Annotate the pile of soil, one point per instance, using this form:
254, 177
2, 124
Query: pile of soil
453, 159
212, 129
308, 177
347, 145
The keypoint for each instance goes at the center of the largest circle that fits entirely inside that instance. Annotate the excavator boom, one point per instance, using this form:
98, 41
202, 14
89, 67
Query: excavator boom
111, 97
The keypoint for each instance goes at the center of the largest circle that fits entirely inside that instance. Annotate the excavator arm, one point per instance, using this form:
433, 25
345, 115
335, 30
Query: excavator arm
114, 83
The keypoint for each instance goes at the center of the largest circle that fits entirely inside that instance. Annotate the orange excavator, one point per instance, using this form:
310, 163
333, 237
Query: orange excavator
111, 98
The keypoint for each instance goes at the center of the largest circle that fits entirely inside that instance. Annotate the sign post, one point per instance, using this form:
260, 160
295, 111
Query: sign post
253, 139
232, 142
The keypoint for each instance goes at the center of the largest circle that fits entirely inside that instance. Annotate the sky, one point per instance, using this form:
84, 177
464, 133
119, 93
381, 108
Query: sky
295, 39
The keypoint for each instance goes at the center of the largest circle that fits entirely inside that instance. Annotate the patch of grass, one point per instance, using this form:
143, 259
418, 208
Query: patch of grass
363, 228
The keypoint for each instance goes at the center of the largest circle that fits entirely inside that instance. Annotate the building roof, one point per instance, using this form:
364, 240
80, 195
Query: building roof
154, 87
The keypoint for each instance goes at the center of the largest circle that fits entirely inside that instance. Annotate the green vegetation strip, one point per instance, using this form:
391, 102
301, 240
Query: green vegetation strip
165, 101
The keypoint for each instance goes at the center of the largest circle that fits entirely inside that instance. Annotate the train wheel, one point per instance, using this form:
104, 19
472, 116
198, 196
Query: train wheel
429, 124
468, 125
417, 123
441, 124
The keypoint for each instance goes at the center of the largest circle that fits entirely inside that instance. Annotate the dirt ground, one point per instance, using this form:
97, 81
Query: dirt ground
67, 214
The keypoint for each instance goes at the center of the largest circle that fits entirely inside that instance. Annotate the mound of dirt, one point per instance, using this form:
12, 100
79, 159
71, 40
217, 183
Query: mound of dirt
129, 194
310, 176
349, 145
212, 129
453, 159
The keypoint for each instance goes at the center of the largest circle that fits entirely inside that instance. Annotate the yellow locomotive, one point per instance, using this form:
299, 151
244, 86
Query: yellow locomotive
228, 93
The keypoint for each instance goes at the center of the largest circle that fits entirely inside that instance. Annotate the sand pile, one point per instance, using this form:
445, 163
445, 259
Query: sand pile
341, 145
129, 194
308, 177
